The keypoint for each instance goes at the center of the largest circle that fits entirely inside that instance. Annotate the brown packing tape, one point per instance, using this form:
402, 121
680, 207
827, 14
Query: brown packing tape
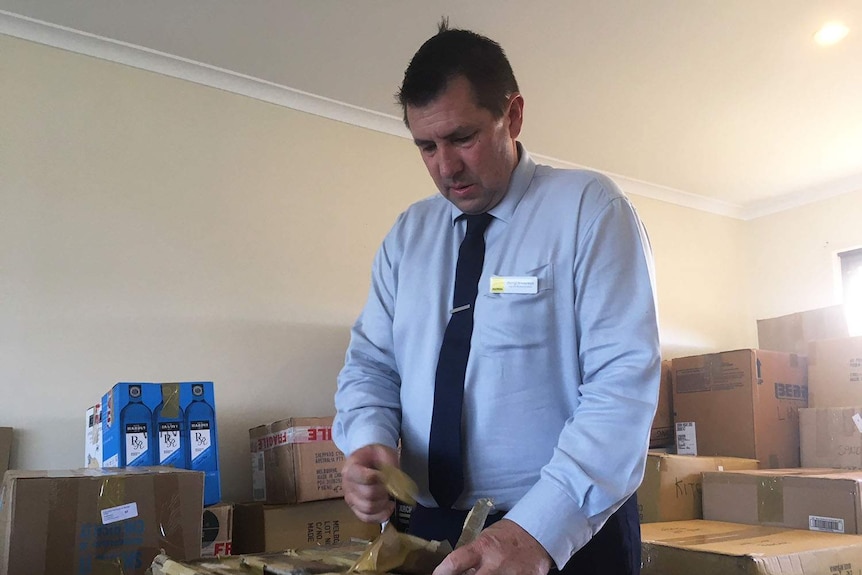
692, 540
170, 400
823, 435
112, 492
64, 499
168, 517
770, 500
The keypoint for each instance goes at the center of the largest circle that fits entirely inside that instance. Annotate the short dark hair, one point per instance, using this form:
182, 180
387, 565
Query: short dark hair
452, 53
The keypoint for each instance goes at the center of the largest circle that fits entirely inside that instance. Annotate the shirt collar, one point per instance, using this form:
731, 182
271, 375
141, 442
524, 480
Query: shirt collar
518, 184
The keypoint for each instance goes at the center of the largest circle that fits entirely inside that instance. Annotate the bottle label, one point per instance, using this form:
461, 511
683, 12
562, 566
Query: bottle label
199, 435
136, 441
169, 439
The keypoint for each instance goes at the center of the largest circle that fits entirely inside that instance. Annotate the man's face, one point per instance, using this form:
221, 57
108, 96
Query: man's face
469, 154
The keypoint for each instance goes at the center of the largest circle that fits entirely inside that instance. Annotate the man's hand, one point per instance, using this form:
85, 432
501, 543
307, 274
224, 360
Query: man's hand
504, 548
363, 486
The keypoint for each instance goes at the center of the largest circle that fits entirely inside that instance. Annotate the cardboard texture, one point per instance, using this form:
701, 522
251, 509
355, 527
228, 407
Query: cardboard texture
87, 521
262, 528
791, 333
217, 530
295, 460
661, 434
831, 437
5, 449
717, 548
817, 500
741, 403
835, 372
671, 488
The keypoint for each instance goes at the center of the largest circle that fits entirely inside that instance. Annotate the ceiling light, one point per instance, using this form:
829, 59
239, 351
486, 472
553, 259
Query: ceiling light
831, 33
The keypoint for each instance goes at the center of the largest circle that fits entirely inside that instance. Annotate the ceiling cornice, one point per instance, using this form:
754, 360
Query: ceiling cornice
72, 40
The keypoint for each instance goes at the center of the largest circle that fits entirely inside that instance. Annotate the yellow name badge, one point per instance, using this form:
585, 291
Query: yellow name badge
514, 284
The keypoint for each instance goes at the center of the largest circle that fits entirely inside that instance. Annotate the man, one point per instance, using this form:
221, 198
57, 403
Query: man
546, 372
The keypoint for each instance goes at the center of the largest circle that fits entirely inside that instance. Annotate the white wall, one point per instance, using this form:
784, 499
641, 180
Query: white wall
700, 261
794, 255
156, 230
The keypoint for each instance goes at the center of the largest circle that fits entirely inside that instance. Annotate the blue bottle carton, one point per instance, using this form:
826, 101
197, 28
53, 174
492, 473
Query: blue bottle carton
170, 424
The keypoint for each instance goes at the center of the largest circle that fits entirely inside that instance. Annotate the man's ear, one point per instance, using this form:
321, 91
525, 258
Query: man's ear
515, 114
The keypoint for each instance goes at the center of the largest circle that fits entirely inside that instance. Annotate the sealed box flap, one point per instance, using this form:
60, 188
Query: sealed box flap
734, 539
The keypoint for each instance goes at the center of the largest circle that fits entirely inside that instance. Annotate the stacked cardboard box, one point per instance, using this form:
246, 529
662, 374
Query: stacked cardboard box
716, 548
296, 484
98, 520
818, 500
217, 530
835, 372
831, 427
793, 332
741, 403
295, 460
259, 527
661, 434
5, 449
671, 489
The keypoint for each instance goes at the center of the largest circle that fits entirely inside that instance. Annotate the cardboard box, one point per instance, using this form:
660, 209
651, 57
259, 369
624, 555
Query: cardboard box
661, 434
835, 372
295, 460
259, 527
817, 500
169, 424
93, 437
831, 437
671, 489
791, 333
741, 403
217, 530
98, 520
5, 449
717, 548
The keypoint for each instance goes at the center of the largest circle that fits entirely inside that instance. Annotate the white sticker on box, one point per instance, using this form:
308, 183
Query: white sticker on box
829, 524
686, 438
857, 419
258, 476
114, 514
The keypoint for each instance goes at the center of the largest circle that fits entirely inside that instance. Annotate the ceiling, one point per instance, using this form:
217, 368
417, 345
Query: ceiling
726, 101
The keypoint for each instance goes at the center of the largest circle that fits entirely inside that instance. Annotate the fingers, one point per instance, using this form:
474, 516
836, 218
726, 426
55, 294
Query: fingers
463, 560
364, 490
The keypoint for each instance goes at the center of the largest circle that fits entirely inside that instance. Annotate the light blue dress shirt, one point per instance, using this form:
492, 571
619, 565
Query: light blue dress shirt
561, 385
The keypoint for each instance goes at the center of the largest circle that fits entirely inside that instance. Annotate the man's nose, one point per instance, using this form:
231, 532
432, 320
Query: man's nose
449, 162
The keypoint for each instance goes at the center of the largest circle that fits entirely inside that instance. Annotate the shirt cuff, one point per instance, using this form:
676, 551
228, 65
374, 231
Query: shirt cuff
553, 519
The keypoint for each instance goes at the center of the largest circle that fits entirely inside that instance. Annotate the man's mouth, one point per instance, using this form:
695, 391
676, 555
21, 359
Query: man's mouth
460, 189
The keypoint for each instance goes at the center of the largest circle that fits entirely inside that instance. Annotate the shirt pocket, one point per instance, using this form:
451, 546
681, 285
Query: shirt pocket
508, 322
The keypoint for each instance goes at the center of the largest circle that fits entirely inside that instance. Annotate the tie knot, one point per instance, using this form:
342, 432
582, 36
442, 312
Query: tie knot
476, 223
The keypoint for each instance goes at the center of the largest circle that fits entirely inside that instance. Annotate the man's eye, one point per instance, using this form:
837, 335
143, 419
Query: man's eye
429, 148
463, 139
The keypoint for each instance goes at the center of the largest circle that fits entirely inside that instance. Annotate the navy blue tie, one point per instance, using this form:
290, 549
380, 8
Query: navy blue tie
445, 467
